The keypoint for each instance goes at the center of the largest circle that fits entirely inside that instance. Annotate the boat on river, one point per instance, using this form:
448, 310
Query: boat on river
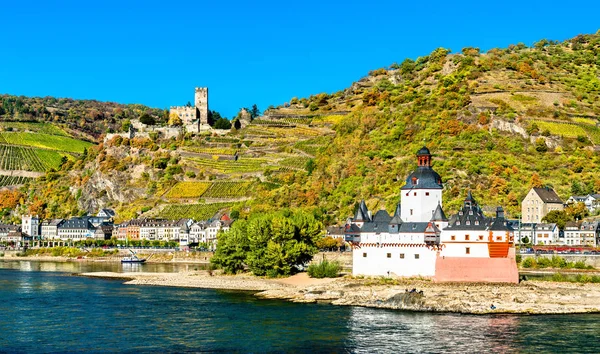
133, 258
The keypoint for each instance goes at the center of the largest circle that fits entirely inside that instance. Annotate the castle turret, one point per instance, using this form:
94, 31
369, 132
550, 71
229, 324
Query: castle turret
422, 192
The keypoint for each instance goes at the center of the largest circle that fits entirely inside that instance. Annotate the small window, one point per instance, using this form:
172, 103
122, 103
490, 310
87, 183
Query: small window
411, 211
417, 256
415, 194
480, 237
468, 250
470, 212
427, 194
467, 237
389, 255
458, 223
498, 238
476, 222
401, 255
453, 238
364, 254
467, 222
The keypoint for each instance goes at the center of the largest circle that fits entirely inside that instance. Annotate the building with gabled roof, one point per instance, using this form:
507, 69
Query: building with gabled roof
538, 203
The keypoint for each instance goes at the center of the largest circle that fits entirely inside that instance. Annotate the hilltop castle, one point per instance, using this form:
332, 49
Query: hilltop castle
195, 117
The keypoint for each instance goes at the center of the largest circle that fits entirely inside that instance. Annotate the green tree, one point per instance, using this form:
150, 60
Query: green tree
254, 111
222, 123
147, 119
576, 188
125, 125
558, 217
540, 145
269, 244
577, 211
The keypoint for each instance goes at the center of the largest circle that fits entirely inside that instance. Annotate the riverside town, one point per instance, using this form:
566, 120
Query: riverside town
256, 194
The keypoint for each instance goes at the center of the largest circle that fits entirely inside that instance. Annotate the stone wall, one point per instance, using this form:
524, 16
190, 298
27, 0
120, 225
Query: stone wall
345, 258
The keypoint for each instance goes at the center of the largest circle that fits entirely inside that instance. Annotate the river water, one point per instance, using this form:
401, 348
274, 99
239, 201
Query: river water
45, 309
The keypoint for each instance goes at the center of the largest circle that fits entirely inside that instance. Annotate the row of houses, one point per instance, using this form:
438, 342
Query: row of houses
101, 227
185, 231
582, 233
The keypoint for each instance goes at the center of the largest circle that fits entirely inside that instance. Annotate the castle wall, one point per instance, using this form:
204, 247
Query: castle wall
417, 260
486, 270
186, 114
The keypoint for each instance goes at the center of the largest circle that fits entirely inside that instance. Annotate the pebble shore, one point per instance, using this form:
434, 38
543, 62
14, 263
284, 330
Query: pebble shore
529, 297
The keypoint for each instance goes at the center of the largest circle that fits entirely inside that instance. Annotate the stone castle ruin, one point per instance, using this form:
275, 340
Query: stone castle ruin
194, 118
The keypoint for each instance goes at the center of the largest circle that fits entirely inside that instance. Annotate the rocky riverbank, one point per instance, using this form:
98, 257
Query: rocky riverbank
530, 297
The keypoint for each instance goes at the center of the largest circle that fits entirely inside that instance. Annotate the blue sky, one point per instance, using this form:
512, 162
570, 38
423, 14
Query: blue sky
245, 52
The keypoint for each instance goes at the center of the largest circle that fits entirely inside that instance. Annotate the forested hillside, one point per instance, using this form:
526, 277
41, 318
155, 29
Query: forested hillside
497, 123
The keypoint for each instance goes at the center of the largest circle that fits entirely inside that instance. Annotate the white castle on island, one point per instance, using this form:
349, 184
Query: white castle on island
419, 240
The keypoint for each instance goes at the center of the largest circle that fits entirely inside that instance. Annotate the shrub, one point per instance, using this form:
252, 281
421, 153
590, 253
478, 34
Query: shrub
324, 269
529, 262
519, 258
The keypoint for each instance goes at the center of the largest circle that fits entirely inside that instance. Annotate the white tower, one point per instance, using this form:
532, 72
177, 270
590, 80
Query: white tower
423, 191
30, 225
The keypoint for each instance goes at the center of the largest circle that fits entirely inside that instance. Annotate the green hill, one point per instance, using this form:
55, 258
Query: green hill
497, 123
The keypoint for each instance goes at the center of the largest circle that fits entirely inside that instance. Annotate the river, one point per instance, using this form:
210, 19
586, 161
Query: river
45, 309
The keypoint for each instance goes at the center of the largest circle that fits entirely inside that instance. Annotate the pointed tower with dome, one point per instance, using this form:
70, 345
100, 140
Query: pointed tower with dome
419, 240
422, 192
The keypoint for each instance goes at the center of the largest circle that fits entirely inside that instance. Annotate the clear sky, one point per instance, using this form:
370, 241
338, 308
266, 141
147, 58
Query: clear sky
245, 52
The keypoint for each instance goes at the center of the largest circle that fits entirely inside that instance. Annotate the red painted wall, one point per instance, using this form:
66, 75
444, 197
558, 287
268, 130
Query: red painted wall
487, 270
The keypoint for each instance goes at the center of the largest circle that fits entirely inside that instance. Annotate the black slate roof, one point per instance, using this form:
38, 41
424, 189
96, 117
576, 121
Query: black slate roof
406, 227
548, 195
76, 223
438, 214
382, 216
424, 177
362, 213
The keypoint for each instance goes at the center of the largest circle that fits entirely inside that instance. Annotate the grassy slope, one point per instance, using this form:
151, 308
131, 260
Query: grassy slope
449, 102
362, 140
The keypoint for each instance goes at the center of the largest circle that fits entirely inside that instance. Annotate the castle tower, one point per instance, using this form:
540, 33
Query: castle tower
201, 103
422, 192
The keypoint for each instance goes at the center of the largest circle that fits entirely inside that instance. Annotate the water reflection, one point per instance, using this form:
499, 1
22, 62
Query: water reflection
85, 266
379, 330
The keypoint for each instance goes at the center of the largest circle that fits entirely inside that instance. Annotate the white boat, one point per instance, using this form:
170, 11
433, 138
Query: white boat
133, 259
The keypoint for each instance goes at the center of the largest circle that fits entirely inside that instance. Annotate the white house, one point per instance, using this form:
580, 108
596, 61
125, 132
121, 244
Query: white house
591, 201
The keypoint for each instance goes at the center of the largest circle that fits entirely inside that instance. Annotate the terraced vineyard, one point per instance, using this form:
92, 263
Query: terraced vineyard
311, 146
230, 166
570, 130
212, 151
188, 190
28, 159
44, 128
295, 162
12, 180
197, 212
278, 123
46, 141
227, 189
